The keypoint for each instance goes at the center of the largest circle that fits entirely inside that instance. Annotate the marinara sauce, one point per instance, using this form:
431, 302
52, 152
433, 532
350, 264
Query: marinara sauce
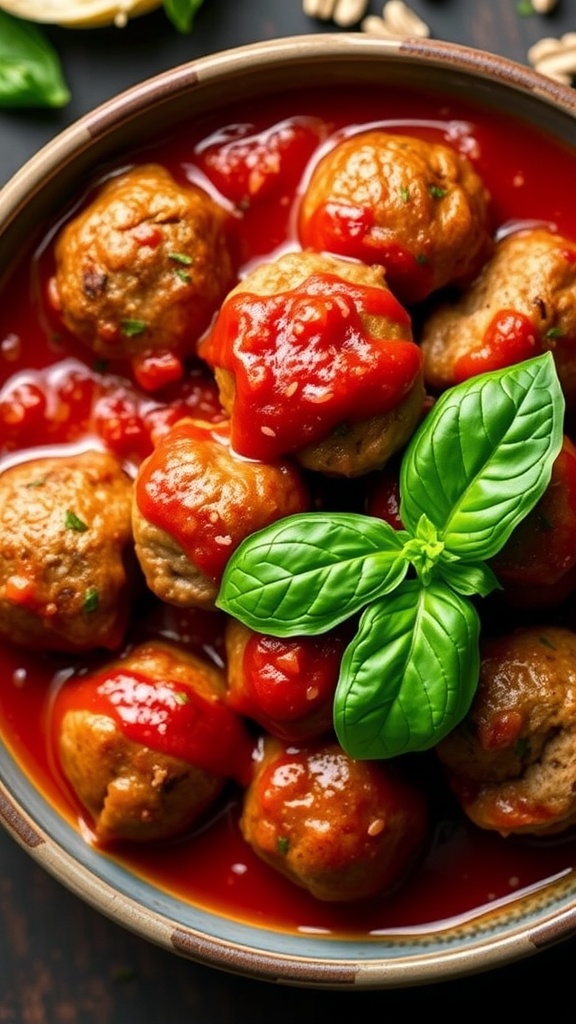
54, 395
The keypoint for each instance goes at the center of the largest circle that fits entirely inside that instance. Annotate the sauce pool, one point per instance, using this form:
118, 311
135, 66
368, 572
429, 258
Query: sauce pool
52, 392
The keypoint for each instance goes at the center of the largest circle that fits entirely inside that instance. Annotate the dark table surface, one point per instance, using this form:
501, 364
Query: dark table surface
60, 961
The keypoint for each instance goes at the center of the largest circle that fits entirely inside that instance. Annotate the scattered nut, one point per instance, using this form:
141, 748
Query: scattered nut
344, 12
398, 21
544, 6
555, 58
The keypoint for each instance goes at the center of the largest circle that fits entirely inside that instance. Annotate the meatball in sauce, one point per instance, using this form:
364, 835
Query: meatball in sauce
195, 500
141, 271
417, 208
343, 829
147, 742
512, 761
314, 358
67, 568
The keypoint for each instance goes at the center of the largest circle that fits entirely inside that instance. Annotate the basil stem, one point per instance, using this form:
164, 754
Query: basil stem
30, 70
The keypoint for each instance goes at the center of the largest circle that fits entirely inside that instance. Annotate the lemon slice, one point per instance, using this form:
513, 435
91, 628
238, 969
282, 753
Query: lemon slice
79, 13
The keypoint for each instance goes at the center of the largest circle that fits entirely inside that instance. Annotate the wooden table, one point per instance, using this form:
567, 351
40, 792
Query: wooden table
60, 961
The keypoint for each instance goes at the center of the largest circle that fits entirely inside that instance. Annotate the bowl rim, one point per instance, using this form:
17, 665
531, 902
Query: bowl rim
24, 812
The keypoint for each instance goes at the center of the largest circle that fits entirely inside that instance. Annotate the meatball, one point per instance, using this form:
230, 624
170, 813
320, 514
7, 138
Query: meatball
194, 501
521, 303
147, 742
342, 829
512, 760
140, 271
67, 570
286, 685
314, 358
417, 208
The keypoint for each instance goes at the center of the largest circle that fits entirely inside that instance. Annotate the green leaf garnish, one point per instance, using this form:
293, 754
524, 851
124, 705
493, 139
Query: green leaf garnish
477, 465
73, 522
132, 328
30, 70
91, 600
182, 13
410, 673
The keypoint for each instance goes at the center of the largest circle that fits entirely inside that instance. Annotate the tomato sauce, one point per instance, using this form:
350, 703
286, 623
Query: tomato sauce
54, 393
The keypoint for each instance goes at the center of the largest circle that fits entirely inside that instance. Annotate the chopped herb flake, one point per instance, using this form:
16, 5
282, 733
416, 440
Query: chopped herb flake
72, 522
91, 599
39, 482
181, 697
131, 328
405, 194
183, 275
283, 844
554, 332
182, 257
436, 192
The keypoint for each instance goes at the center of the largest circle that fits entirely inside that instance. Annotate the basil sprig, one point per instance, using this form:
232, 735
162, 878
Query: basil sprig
476, 466
30, 69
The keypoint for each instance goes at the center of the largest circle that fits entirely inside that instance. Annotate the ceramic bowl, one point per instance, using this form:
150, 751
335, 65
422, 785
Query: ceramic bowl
529, 919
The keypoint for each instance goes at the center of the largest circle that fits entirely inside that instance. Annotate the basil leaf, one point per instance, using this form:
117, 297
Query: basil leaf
410, 674
30, 70
182, 13
483, 457
310, 572
468, 578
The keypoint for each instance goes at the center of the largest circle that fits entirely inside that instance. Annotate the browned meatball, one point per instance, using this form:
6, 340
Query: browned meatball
194, 501
66, 558
141, 270
512, 761
147, 742
417, 208
286, 685
522, 302
342, 829
314, 357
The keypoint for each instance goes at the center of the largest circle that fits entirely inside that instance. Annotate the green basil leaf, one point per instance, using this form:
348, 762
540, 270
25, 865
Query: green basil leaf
483, 457
410, 674
468, 578
30, 70
307, 573
182, 13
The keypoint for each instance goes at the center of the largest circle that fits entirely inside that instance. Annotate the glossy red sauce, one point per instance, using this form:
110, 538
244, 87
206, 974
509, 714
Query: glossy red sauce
315, 333
53, 392
508, 339
165, 716
168, 494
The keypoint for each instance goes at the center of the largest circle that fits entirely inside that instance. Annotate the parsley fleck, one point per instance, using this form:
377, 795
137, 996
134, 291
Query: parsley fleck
39, 482
436, 191
73, 522
405, 194
91, 599
181, 697
181, 257
131, 328
554, 332
183, 275
421, 259
283, 844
